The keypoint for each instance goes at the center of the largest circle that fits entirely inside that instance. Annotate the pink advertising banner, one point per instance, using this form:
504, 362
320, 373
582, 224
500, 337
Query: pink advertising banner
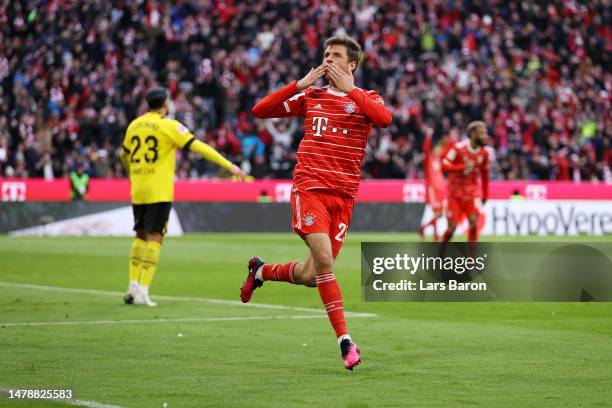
280, 190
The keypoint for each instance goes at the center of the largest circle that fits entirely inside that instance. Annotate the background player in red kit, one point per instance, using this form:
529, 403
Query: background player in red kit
467, 165
337, 124
434, 182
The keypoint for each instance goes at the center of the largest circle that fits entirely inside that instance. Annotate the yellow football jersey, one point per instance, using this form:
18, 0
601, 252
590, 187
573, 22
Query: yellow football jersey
150, 142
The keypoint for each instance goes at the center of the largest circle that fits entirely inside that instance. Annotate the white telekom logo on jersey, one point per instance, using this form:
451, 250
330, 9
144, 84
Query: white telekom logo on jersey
319, 123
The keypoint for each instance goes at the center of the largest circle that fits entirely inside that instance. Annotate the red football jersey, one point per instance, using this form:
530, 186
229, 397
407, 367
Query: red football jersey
464, 183
337, 127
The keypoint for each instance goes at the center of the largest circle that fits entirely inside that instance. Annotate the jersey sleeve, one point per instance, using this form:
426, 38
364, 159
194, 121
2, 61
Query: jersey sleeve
450, 161
209, 153
372, 105
179, 134
287, 101
296, 105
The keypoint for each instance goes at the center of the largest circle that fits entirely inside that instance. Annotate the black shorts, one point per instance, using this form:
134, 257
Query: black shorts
151, 217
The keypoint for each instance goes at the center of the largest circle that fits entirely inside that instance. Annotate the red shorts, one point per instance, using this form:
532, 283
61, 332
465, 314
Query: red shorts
322, 211
458, 207
434, 197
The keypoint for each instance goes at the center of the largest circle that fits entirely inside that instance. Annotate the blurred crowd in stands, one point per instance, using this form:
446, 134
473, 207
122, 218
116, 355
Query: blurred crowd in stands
74, 73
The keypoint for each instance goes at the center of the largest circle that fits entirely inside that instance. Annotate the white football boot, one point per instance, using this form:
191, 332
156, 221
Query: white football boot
128, 298
142, 298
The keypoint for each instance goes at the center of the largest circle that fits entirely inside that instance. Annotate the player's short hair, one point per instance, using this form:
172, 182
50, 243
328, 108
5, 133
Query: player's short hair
353, 49
472, 126
156, 97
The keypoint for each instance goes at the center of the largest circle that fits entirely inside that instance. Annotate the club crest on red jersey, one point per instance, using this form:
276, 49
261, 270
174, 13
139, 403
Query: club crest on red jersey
309, 219
349, 107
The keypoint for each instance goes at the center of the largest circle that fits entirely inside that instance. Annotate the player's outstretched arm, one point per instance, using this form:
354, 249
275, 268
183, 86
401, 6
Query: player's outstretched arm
280, 104
427, 151
213, 156
273, 105
427, 140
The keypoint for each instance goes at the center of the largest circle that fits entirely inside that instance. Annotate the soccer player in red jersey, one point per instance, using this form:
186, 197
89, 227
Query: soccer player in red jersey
434, 182
467, 165
337, 124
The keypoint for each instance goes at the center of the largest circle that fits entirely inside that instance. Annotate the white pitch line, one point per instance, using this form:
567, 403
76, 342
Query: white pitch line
177, 320
69, 401
178, 298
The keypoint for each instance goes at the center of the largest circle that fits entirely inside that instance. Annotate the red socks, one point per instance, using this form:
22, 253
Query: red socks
330, 293
279, 272
332, 300
473, 234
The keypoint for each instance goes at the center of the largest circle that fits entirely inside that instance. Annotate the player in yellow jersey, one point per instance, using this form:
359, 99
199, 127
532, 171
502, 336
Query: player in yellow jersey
149, 155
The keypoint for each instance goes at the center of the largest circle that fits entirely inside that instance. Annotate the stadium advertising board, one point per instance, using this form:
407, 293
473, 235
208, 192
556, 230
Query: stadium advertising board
100, 223
545, 209
563, 217
389, 191
540, 217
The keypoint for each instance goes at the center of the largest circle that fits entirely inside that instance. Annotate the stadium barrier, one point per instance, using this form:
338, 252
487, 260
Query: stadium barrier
115, 218
38, 207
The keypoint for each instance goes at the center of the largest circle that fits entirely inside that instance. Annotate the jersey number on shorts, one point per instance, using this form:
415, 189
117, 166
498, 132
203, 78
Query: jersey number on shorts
151, 153
342, 233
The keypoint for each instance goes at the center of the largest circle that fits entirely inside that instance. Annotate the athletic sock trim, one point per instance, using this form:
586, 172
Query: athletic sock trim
343, 337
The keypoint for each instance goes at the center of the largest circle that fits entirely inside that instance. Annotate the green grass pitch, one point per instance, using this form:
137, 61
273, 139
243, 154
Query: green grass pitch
194, 352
